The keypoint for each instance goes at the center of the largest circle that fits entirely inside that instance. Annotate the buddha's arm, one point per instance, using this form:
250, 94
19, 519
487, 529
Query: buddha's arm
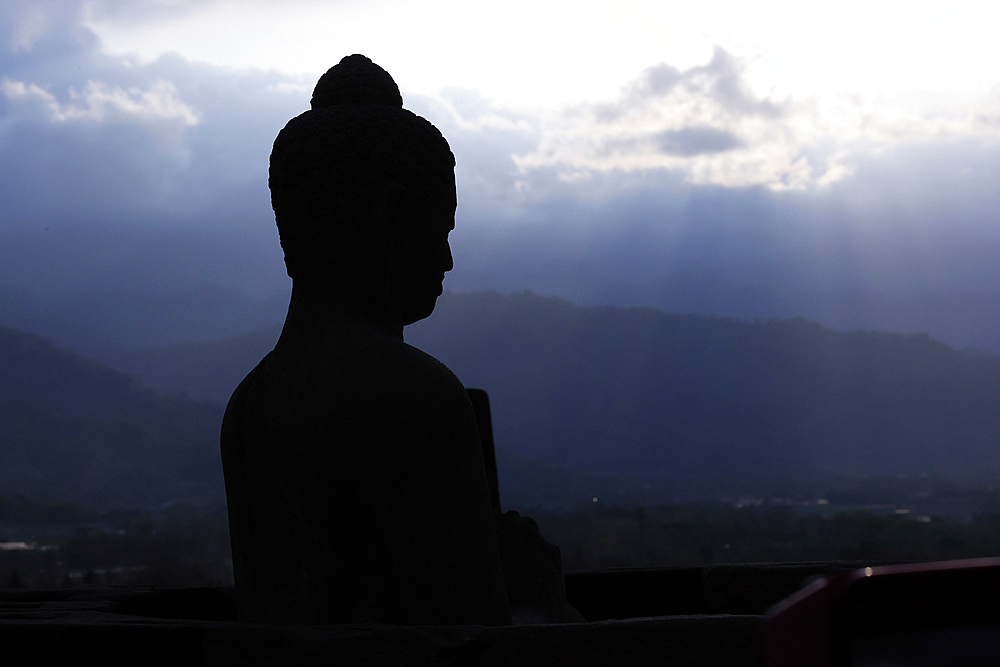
437, 505
389, 476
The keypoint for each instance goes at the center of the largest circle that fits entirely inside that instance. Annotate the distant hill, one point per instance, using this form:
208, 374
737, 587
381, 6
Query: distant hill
75, 430
94, 323
209, 370
641, 393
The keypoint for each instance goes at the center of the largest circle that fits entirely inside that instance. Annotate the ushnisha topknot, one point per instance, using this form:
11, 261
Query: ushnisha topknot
329, 166
356, 80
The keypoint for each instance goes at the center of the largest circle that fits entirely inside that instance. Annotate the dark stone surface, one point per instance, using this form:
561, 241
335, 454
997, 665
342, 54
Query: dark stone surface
683, 641
153, 626
70, 626
633, 592
355, 475
532, 570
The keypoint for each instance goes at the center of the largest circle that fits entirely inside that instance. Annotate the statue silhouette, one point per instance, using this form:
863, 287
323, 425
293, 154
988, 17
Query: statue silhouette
353, 466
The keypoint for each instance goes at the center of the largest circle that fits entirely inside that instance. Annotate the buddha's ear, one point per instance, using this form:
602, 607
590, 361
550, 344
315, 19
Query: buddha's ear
387, 223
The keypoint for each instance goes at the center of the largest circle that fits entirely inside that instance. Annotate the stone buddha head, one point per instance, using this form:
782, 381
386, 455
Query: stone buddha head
363, 193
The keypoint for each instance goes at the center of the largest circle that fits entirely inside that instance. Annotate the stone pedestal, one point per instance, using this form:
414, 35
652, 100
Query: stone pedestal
658, 616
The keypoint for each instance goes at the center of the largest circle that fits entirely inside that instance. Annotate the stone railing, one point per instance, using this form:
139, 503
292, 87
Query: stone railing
657, 616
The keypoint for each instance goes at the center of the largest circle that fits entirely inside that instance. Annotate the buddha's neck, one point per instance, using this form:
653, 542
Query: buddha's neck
318, 306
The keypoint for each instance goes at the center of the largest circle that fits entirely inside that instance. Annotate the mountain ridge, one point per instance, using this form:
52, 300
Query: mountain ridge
598, 389
76, 430
613, 402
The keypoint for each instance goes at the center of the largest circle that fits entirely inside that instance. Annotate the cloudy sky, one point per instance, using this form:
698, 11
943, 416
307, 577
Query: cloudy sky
791, 150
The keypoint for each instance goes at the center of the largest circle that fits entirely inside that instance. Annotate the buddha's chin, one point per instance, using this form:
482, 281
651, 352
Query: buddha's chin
418, 311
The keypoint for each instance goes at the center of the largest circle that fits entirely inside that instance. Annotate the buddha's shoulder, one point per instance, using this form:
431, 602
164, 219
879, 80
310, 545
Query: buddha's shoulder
383, 357
383, 390
352, 367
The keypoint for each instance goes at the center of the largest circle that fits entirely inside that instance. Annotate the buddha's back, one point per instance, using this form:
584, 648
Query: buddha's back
357, 488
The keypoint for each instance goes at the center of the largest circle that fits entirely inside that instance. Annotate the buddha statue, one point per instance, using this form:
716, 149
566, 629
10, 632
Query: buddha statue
354, 473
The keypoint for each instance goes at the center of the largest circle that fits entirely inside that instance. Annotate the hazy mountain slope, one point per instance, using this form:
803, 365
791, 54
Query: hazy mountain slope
93, 323
637, 391
202, 370
99, 324
610, 389
74, 429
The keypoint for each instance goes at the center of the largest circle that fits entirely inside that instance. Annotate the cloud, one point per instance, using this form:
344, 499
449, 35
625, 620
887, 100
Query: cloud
704, 122
484, 138
707, 124
142, 10
121, 174
696, 140
720, 80
105, 161
105, 152
85, 134
99, 101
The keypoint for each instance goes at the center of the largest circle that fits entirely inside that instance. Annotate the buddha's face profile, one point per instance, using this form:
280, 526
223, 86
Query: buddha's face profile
422, 257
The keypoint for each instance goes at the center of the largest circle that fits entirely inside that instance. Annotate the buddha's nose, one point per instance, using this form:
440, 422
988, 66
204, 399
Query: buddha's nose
449, 261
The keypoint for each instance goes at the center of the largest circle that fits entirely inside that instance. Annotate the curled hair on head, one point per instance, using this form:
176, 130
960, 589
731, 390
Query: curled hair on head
330, 164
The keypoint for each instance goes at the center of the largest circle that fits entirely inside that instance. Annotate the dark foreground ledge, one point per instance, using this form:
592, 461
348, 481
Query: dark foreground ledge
658, 616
